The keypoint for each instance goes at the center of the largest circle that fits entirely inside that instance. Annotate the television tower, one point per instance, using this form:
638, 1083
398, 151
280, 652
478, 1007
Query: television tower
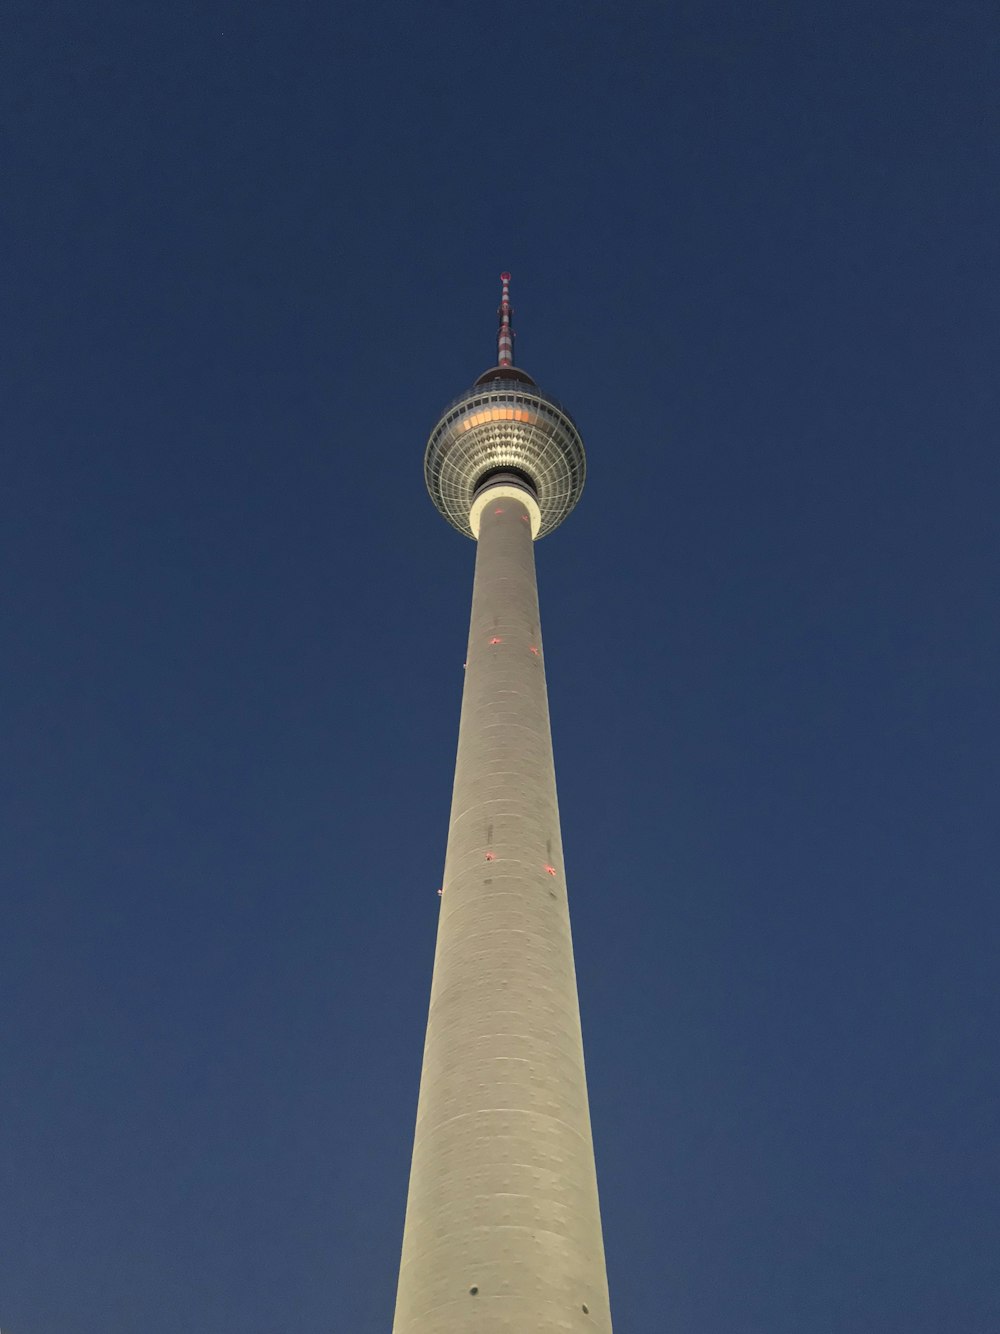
503, 1226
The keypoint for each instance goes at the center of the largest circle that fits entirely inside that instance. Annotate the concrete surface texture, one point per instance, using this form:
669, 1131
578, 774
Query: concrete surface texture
503, 1229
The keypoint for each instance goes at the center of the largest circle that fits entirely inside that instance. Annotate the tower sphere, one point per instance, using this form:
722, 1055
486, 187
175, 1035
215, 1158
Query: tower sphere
505, 425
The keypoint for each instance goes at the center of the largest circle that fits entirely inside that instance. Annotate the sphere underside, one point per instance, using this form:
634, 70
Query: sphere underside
508, 427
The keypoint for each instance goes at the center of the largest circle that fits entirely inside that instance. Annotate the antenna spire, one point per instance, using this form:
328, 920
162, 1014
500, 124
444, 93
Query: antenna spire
505, 334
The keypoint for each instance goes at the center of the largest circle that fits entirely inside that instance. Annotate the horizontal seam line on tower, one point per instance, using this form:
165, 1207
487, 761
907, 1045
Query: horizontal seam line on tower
517, 1111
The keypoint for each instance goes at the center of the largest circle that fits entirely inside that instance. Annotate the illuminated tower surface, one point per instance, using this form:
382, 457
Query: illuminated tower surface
503, 1227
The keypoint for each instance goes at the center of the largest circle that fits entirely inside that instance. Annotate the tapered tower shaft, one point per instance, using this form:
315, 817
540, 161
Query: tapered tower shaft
503, 1231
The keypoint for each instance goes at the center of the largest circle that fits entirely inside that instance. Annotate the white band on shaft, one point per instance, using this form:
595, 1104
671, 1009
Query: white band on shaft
505, 491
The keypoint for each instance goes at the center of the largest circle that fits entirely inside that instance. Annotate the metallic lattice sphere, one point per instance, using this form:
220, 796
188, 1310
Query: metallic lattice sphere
505, 424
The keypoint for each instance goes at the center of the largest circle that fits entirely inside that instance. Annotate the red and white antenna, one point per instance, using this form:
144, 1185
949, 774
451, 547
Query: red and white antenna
505, 334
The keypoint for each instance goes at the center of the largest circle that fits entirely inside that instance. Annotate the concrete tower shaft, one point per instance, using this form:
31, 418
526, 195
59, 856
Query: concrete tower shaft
503, 1229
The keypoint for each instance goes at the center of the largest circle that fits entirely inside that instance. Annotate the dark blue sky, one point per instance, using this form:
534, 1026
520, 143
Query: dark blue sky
250, 250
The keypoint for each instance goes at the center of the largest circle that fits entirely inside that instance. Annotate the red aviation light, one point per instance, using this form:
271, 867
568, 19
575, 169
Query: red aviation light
491, 856
496, 640
551, 870
534, 650
498, 511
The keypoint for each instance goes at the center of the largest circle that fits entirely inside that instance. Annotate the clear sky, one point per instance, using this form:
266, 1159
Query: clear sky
249, 252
